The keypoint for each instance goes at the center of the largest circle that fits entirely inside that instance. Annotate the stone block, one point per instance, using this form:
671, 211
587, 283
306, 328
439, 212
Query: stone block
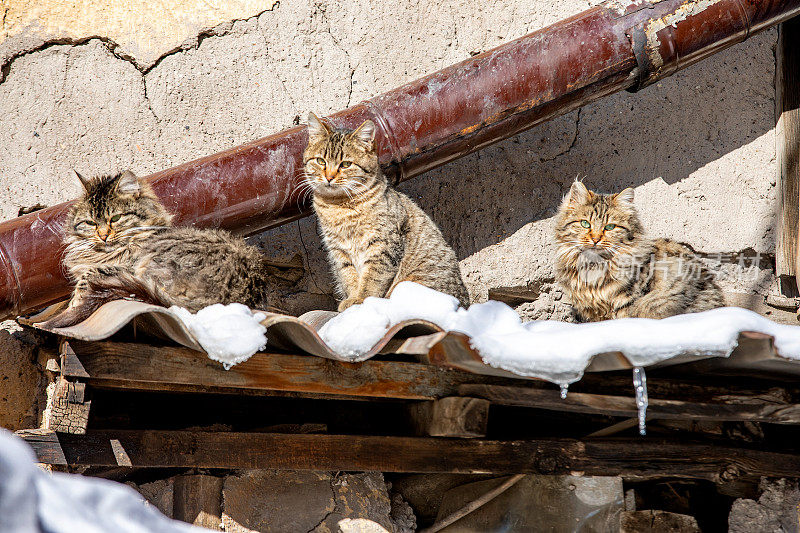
289, 501
657, 522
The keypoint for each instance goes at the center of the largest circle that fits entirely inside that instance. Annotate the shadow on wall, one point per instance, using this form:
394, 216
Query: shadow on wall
669, 131
698, 144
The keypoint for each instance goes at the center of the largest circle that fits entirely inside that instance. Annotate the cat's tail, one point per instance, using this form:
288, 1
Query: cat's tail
120, 286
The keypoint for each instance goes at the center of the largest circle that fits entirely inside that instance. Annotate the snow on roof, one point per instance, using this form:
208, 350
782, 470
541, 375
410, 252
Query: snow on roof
487, 338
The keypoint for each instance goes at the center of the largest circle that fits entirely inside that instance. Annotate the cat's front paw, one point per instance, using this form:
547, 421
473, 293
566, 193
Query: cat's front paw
344, 304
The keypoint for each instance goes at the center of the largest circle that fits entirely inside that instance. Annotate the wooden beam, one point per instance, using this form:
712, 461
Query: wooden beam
151, 368
787, 135
454, 416
632, 458
46, 445
738, 409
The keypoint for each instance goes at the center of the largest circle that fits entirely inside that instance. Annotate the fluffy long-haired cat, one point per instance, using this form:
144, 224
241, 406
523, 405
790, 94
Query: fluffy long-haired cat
376, 237
120, 243
609, 269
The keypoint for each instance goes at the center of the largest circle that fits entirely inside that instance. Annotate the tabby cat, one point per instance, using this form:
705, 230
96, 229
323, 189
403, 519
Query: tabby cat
121, 242
609, 269
375, 236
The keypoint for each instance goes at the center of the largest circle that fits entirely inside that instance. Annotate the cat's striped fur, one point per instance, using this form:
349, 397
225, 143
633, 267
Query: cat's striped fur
121, 243
375, 236
609, 269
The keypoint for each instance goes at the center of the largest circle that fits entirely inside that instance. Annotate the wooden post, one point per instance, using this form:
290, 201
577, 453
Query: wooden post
67, 408
453, 416
787, 134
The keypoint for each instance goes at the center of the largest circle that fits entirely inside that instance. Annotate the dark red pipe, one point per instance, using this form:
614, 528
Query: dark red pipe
622, 44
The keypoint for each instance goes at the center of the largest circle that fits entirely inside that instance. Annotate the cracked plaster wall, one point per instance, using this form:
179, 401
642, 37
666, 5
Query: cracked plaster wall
100, 86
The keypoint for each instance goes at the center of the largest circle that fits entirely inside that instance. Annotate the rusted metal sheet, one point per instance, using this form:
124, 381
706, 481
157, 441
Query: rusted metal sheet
622, 44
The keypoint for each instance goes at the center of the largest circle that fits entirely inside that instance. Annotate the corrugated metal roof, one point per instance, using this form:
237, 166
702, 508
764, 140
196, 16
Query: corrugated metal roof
755, 351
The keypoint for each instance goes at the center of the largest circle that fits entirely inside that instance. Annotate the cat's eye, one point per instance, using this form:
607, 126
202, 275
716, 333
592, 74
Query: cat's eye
345, 164
609, 227
88, 222
319, 161
116, 218
585, 224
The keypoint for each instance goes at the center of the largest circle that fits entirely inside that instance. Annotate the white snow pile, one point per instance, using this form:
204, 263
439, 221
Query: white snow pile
229, 333
354, 332
551, 350
33, 501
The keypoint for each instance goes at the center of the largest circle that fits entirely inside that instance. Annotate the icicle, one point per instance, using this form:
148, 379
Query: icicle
564, 390
640, 385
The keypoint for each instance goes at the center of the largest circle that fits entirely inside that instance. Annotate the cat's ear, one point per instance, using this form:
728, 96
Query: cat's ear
365, 134
578, 193
316, 127
128, 183
84, 181
625, 197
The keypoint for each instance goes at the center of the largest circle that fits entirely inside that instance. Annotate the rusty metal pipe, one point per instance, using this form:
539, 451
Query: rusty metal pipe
621, 44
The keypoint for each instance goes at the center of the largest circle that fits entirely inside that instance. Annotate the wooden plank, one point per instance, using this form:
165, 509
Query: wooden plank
787, 101
145, 367
197, 499
76, 369
737, 408
46, 445
454, 416
633, 458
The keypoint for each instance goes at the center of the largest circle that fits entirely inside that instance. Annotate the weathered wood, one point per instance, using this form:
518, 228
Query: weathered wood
453, 416
46, 445
145, 367
787, 135
66, 409
736, 409
70, 362
636, 458
711, 389
197, 499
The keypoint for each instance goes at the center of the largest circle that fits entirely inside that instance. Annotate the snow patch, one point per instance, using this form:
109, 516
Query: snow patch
229, 333
556, 351
354, 332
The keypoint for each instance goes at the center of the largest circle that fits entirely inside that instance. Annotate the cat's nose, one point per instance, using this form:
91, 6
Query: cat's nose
595, 238
329, 176
103, 233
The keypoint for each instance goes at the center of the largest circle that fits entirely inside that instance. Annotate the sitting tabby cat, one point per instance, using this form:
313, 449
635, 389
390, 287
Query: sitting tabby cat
610, 270
376, 237
120, 243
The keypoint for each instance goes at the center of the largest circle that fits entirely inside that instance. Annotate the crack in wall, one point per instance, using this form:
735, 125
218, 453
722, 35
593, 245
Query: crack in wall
115, 48
350, 67
571, 144
220, 30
